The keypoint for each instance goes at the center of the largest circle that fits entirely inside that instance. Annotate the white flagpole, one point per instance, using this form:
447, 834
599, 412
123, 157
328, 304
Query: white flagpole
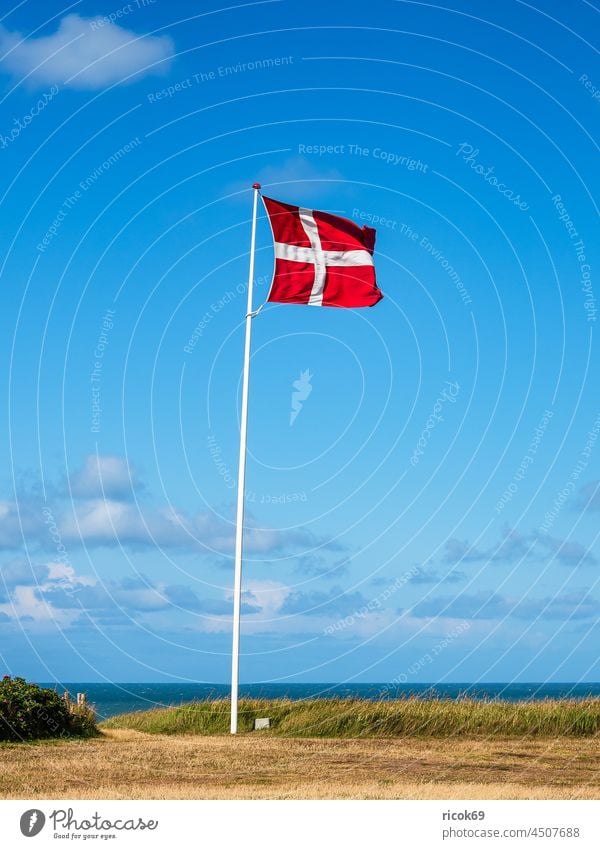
239, 529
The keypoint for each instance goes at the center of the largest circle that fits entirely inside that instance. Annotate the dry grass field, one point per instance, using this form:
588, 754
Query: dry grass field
127, 764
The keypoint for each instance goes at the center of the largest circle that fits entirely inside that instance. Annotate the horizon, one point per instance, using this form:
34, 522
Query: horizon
338, 683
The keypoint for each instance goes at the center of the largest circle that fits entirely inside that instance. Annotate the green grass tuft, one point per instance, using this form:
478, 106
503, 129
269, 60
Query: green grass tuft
413, 717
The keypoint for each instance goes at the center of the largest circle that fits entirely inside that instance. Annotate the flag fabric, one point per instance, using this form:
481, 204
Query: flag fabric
321, 259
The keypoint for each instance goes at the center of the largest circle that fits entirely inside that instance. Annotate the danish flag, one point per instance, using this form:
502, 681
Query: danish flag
321, 259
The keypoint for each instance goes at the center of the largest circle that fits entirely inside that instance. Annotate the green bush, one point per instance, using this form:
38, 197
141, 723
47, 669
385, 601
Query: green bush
29, 712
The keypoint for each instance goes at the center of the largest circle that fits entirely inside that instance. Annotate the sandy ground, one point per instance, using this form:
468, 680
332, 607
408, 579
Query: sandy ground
131, 765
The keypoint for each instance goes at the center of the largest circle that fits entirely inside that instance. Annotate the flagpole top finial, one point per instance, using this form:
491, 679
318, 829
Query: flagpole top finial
256, 185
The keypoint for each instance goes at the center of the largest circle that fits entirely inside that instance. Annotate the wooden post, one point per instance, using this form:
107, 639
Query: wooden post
81, 699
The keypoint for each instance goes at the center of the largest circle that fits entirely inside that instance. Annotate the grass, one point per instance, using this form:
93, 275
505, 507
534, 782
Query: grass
322, 749
345, 718
123, 764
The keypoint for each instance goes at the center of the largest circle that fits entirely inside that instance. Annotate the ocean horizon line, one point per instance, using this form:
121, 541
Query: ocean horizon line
392, 683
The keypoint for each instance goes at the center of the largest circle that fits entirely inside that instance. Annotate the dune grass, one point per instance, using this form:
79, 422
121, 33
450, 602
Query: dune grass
340, 718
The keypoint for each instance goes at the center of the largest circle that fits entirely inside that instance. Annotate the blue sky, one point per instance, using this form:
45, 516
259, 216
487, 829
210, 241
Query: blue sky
431, 514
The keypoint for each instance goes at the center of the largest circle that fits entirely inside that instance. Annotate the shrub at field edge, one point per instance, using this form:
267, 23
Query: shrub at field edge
30, 712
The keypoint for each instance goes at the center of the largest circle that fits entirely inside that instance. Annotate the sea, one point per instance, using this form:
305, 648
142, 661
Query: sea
112, 699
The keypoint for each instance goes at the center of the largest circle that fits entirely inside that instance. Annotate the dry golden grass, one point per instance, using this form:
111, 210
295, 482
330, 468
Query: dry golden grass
125, 764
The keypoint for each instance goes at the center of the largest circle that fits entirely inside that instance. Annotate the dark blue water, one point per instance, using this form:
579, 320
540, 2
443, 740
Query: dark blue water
111, 699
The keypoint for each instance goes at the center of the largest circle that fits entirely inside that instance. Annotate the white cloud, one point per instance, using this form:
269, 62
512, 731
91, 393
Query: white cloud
103, 476
117, 520
514, 546
53, 594
84, 53
111, 522
104, 510
22, 593
488, 604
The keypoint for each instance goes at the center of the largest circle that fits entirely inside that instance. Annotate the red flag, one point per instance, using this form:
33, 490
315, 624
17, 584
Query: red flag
321, 259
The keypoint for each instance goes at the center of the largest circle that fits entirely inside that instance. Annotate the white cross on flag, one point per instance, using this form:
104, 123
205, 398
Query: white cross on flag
321, 259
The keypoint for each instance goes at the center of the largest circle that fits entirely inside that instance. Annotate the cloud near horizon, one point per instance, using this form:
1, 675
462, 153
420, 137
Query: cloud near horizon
104, 511
84, 53
52, 593
514, 545
487, 604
